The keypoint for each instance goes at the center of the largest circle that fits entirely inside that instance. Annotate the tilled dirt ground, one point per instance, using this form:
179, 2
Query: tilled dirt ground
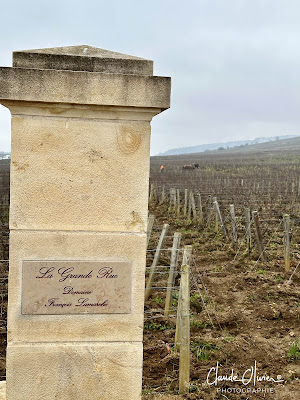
243, 314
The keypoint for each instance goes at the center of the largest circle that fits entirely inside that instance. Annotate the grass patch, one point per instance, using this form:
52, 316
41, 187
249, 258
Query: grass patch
158, 300
294, 350
204, 350
261, 271
157, 326
200, 325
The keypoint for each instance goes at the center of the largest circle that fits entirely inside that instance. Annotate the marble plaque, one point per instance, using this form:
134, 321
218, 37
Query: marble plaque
76, 287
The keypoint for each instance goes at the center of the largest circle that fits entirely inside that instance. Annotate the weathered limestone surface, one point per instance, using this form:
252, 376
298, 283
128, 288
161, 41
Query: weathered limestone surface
79, 187
84, 88
64, 371
94, 171
36, 245
91, 59
3, 390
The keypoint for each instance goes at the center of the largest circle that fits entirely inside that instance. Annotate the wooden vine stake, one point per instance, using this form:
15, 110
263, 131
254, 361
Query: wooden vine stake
178, 201
184, 321
248, 228
286, 228
200, 208
215, 203
163, 195
172, 199
184, 361
173, 268
193, 206
149, 227
209, 210
155, 261
155, 193
233, 224
185, 201
175, 200
189, 208
186, 261
151, 197
258, 236
219, 217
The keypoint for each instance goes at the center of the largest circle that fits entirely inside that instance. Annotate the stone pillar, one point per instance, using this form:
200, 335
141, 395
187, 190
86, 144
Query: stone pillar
79, 189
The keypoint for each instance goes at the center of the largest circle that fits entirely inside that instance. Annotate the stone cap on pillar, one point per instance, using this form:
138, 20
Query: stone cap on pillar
83, 75
83, 58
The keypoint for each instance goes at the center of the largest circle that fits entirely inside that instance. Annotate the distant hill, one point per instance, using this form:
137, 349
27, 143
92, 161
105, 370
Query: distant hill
215, 146
291, 145
277, 149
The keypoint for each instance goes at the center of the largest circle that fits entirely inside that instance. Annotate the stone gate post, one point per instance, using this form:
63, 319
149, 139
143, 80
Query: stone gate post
79, 190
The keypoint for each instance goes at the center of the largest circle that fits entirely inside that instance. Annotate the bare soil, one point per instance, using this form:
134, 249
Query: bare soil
249, 314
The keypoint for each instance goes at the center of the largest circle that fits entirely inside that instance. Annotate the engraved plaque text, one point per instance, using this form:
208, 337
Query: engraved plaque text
76, 287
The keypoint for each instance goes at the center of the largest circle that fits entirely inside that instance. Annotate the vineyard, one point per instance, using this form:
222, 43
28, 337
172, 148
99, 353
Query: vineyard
241, 214
238, 214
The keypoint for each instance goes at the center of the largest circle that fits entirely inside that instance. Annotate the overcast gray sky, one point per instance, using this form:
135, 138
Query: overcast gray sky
235, 64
